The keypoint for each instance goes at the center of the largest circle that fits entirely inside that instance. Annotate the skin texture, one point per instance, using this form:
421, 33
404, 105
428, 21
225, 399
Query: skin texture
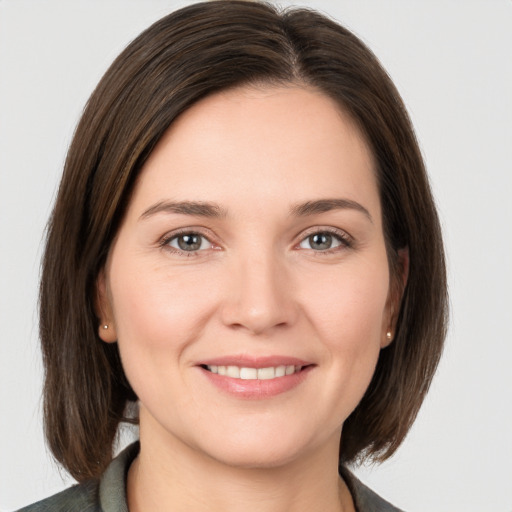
256, 287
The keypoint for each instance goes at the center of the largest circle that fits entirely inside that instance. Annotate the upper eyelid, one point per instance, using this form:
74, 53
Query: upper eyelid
185, 231
326, 229
341, 233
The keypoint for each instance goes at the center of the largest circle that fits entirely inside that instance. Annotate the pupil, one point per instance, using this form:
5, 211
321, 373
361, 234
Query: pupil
189, 242
321, 241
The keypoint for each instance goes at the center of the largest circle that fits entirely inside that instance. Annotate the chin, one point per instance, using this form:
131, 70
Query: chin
257, 458
263, 450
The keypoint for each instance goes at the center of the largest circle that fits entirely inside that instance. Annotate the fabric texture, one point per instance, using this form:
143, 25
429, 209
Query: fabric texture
109, 493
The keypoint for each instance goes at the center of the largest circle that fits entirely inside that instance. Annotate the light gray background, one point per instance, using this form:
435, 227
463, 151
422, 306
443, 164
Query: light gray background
451, 60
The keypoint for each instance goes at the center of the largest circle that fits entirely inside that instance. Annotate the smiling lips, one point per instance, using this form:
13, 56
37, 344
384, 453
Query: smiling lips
247, 373
258, 378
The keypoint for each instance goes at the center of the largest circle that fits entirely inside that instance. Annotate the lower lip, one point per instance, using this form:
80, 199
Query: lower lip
255, 389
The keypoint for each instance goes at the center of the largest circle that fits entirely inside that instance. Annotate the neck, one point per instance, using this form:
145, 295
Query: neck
170, 475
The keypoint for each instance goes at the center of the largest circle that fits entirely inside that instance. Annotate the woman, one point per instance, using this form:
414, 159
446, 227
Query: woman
244, 257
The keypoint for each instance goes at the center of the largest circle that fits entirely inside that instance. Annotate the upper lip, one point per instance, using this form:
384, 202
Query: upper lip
245, 361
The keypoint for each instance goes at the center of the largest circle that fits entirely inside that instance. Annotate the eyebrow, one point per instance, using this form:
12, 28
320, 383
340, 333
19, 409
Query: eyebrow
196, 208
326, 205
213, 210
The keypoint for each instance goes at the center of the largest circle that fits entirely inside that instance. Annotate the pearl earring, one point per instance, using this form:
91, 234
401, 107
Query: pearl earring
389, 336
105, 326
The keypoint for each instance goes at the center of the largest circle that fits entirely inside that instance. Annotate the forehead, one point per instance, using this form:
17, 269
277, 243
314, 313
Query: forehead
254, 143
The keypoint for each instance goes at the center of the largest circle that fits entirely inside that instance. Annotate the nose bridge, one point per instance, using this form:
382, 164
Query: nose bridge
260, 295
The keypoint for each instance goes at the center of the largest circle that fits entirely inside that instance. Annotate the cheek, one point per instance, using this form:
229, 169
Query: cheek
349, 304
348, 311
157, 314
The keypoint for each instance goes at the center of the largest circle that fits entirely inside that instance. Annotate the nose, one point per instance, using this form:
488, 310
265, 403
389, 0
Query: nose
260, 295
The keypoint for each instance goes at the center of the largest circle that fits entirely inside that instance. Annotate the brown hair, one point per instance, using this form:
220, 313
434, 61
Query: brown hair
182, 58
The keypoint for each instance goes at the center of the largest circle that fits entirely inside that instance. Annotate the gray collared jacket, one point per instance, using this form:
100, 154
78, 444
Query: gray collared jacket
108, 494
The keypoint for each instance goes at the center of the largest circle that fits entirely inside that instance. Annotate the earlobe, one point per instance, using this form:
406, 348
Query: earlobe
107, 333
396, 292
102, 304
388, 338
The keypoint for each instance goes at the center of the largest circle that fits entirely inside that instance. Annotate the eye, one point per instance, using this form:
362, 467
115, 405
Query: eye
323, 241
189, 242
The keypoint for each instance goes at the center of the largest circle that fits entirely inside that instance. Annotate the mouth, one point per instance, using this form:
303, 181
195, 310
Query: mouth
261, 378
250, 373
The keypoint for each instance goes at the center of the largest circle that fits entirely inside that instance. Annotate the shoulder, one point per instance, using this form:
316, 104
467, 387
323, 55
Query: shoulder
79, 498
105, 495
365, 499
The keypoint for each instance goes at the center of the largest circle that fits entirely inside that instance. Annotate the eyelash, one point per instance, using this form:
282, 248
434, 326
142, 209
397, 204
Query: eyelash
345, 240
165, 241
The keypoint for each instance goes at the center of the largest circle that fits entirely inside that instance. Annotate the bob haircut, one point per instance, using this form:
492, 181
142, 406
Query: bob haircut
187, 55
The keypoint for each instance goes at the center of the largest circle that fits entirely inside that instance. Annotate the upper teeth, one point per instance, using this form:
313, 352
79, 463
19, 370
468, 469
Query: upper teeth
238, 372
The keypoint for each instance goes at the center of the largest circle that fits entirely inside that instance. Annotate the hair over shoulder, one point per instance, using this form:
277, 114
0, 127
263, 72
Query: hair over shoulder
185, 56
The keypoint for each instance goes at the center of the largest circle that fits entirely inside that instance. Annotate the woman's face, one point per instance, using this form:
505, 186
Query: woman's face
252, 247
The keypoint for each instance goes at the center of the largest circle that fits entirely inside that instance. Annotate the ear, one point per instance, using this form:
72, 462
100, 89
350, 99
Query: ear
103, 307
398, 282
